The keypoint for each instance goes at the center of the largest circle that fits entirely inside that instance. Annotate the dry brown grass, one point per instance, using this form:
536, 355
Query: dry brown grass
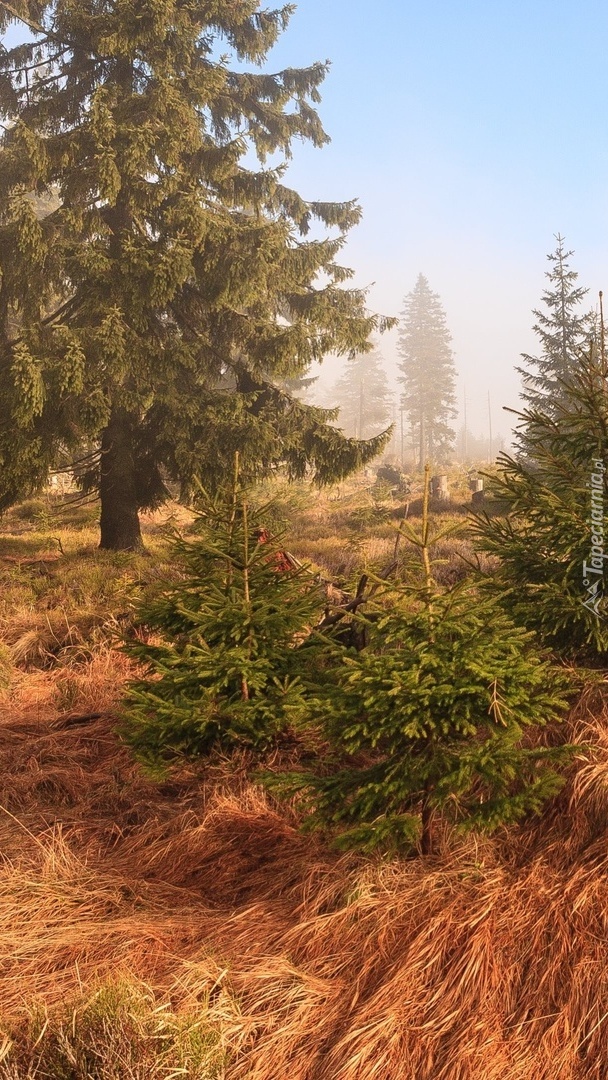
189, 916
342, 531
488, 961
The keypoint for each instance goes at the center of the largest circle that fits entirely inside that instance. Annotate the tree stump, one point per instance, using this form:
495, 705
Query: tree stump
439, 487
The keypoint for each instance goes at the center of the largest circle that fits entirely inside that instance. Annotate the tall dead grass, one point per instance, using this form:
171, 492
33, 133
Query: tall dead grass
488, 961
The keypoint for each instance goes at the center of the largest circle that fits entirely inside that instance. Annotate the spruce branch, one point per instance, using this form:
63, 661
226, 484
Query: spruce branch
19, 16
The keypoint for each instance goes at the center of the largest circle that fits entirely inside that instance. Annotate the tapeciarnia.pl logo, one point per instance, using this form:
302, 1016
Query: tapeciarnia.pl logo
593, 570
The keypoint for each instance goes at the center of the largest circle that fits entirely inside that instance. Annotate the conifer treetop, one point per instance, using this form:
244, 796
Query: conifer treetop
563, 330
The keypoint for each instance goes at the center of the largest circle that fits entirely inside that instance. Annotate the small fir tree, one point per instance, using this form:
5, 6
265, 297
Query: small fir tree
227, 671
550, 537
428, 374
430, 717
563, 330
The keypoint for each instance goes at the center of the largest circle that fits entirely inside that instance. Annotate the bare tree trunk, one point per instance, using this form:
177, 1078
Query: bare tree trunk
120, 529
426, 836
361, 410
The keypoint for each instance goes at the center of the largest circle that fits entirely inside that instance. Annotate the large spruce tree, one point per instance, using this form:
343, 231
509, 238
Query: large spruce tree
161, 304
563, 329
428, 374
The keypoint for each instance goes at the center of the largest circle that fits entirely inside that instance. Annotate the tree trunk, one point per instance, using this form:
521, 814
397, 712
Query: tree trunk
426, 836
119, 520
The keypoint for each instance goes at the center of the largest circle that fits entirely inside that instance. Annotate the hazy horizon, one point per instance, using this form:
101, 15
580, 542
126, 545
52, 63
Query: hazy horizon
468, 133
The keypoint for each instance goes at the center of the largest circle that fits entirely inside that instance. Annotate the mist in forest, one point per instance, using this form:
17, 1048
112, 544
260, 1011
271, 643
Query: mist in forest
468, 155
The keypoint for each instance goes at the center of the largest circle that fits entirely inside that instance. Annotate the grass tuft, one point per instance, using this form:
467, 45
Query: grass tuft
117, 1032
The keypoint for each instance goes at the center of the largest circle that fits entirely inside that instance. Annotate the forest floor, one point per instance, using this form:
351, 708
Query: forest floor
182, 926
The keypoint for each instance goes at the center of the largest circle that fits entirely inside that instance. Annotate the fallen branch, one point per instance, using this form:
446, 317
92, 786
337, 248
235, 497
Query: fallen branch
360, 597
77, 721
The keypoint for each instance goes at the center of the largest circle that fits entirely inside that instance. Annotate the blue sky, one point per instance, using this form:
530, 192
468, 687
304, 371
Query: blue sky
471, 134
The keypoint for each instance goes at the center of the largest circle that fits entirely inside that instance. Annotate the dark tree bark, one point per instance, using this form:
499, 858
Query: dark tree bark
426, 836
120, 529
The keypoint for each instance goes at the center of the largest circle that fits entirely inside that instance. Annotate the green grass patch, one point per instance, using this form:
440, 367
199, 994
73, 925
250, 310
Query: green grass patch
120, 1032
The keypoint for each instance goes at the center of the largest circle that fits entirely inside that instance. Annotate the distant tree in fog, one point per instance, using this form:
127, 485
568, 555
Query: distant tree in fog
428, 374
363, 396
470, 447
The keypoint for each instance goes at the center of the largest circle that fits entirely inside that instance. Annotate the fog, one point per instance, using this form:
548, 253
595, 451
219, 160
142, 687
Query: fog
471, 135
